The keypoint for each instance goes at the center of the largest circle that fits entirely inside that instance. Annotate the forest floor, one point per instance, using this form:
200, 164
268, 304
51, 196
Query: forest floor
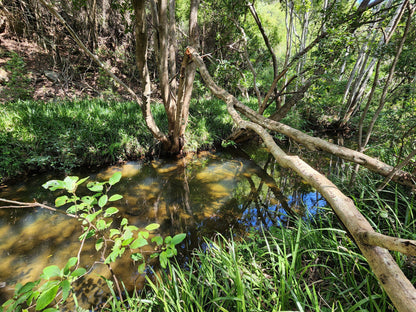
66, 73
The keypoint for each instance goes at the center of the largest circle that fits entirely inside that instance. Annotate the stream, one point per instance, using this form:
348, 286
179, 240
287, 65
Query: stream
200, 195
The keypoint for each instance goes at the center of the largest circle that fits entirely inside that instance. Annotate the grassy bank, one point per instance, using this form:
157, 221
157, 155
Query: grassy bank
306, 267
67, 134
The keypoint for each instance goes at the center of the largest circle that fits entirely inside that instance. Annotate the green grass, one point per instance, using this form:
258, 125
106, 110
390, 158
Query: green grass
310, 267
89, 132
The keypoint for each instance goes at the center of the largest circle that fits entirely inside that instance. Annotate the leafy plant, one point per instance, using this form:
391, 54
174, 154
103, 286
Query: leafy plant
96, 215
18, 86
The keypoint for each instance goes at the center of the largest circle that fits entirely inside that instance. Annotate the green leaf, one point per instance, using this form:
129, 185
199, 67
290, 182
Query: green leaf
61, 200
168, 239
124, 222
70, 183
46, 298
115, 178
78, 272
143, 234
178, 238
71, 262
53, 185
95, 186
163, 259
82, 180
99, 244
170, 252
66, 288
101, 225
27, 287
137, 256
51, 271
138, 243
115, 197
127, 241
92, 216
110, 211
114, 232
102, 201
48, 285
141, 268
152, 226
158, 240
88, 200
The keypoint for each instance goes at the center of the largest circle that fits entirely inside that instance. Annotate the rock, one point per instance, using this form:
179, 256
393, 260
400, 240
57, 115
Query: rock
4, 76
51, 75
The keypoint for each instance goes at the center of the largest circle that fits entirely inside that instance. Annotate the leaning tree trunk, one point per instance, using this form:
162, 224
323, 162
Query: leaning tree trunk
395, 283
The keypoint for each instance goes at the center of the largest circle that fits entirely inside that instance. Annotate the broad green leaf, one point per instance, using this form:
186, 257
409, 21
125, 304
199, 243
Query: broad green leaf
158, 240
114, 232
61, 200
163, 259
141, 268
152, 226
48, 285
70, 183
102, 201
51, 271
170, 252
137, 256
88, 200
138, 243
10, 301
92, 216
99, 244
124, 222
101, 225
110, 211
78, 272
66, 288
168, 239
115, 197
95, 186
53, 185
27, 287
178, 238
115, 178
22, 298
46, 298
127, 241
127, 234
144, 234
154, 255
132, 228
71, 262
82, 180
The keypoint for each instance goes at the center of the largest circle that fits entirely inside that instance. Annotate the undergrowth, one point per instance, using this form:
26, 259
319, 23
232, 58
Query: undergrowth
64, 135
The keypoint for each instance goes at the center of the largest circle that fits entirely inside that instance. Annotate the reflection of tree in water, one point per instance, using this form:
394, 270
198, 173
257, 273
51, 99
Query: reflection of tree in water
200, 197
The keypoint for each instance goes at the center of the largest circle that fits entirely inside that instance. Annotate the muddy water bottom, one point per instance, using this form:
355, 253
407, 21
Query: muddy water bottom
200, 195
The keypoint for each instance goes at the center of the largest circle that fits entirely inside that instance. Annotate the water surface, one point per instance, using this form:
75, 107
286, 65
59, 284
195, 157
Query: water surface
199, 195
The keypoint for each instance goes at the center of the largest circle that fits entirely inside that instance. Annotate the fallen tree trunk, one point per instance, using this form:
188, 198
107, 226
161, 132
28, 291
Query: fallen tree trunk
312, 143
397, 286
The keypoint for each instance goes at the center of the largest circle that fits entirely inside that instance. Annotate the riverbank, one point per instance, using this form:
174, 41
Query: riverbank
66, 134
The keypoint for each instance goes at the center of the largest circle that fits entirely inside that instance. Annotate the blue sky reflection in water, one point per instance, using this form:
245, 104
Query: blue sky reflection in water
306, 204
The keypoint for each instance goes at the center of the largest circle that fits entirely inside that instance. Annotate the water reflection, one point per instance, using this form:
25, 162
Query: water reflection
199, 195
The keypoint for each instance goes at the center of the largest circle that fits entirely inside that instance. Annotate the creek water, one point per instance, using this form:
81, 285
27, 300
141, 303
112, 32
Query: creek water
199, 195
